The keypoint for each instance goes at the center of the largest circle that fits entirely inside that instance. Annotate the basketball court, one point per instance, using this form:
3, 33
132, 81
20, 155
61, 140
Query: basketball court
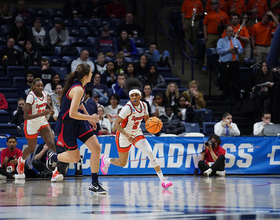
231, 197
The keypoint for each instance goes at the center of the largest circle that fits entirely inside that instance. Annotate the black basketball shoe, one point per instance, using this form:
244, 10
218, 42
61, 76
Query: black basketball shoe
51, 165
96, 188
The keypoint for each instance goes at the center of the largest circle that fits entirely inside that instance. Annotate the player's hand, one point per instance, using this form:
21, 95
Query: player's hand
130, 138
46, 112
52, 111
94, 126
94, 118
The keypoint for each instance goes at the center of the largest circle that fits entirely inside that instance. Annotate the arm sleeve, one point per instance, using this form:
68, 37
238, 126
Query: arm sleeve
221, 49
258, 128
218, 129
73, 66
126, 111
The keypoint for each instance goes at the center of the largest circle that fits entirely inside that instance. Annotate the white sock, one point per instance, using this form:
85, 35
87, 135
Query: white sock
160, 175
22, 160
109, 160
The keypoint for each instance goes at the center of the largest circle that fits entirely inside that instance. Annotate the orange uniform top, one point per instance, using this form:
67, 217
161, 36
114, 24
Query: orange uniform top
238, 4
188, 6
277, 9
260, 4
222, 4
262, 33
243, 33
213, 19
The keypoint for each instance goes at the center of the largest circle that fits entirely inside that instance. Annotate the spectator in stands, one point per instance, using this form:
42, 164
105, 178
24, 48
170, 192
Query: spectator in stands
45, 73
109, 77
105, 124
105, 44
264, 93
261, 36
18, 113
213, 27
130, 71
259, 126
133, 29
172, 94
147, 95
236, 7
257, 9
154, 79
120, 64
126, 45
212, 157
84, 54
73, 9
30, 56
118, 87
101, 65
229, 49
184, 110
89, 103
56, 100
142, 68
191, 11
275, 6
95, 97
226, 127
51, 117
115, 9
193, 96
154, 56
222, 6
111, 110
10, 56
50, 87
3, 102
19, 31
59, 35
23, 12
160, 101
94, 9
29, 75
171, 124
6, 15
242, 35
40, 35
114, 130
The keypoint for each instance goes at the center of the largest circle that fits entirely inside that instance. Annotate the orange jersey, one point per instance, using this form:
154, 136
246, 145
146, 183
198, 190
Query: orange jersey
238, 4
277, 9
189, 5
243, 33
222, 4
213, 19
260, 4
262, 33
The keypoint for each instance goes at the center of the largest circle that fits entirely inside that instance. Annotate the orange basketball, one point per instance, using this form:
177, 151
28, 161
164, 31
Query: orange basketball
153, 125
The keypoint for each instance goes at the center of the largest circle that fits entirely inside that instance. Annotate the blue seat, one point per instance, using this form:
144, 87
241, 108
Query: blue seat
81, 22
123, 101
172, 79
4, 117
15, 71
37, 12
5, 29
73, 31
2, 47
54, 60
28, 21
68, 60
99, 22
88, 32
12, 105
22, 134
115, 22
19, 48
35, 68
19, 81
208, 128
9, 92
78, 41
3, 39
61, 70
90, 49
113, 32
245, 73
65, 20
2, 72
90, 41
191, 127
57, 50
93, 59
206, 113
165, 71
10, 129
46, 22
54, 12
5, 82
139, 41
142, 50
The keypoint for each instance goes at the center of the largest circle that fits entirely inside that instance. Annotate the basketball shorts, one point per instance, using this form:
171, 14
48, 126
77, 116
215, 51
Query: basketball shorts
69, 131
31, 128
123, 144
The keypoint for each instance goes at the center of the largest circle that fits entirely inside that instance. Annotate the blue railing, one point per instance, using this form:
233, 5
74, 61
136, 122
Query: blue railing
184, 54
143, 10
157, 25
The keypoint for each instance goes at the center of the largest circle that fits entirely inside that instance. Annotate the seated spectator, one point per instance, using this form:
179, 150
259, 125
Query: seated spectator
9, 158
130, 71
89, 103
6, 15
126, 45
18, 113
105, 124
73, 9
29, 75
3, 102
56, 100
154, 79
30, 56
184, 110
193, 96
40, 36
115, 9
259, 126
45, 73
154, 56
142, 68
114, 130
84, 54
101, 65
172, 94
212, 157
19, 31
59, 35
23, 11
52, 116
133, 29
111, 110
226, 127
109, 77
10, 56
50, 87
94, 9
159, 103
147, 94
118, 87
95, 97
171, 124
120, 64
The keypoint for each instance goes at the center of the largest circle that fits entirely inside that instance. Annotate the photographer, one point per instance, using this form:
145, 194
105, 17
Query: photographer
212, 157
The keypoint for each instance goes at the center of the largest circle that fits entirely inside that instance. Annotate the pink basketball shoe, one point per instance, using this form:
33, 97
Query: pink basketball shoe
104, 164
165, 183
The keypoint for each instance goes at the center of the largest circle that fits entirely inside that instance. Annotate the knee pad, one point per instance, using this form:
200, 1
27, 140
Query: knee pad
144, 146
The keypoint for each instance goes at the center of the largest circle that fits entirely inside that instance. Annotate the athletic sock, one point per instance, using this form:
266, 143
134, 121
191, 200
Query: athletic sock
54, 158
94, 178
22, 160
160, 175
109, 160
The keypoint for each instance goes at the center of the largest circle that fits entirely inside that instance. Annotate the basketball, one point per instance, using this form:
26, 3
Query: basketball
153, 125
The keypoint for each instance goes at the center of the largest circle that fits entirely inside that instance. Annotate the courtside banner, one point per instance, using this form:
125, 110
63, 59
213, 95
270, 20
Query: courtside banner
180, 155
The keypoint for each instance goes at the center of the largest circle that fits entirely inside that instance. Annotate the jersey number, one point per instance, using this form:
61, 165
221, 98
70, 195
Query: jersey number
135, 126
39, 111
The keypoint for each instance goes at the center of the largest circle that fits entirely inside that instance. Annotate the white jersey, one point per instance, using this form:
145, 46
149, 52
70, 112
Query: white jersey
133, 116
38, 105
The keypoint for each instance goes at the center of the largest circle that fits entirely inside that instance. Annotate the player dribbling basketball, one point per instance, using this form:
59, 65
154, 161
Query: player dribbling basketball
129, 132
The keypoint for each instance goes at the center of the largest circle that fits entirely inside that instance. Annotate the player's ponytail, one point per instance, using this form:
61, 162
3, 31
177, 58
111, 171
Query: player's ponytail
82, 70
33, 83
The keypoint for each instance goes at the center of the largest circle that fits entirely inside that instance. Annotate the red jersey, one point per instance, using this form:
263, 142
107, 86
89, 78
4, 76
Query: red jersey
7, 153
218, 151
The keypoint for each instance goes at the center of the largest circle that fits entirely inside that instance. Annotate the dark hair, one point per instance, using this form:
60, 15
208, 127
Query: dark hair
132, 83
52, 83
59, 22
82, 70
161, 95
29, 72
217, 139
126, 43
235, 14
33, 83
152, 79
168, 106
97, 73
37, 19
129, 63
11, 137
31, 42
45, 60
268, 75
114, 96
88, 91
265, 113
225, 115
154, 44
